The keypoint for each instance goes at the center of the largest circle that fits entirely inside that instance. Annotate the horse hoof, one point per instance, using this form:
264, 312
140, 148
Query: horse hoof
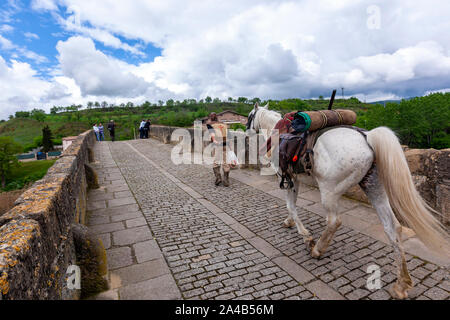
288, 224
315, 253
310, 244
398, 292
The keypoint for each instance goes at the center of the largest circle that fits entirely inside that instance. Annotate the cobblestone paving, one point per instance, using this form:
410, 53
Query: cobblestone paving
209, 259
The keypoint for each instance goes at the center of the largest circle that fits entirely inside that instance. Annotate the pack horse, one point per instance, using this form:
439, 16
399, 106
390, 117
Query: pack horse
344, 157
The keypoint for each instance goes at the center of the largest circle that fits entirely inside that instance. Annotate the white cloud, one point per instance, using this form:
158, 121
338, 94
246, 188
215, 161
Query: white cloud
96, 73
5, 28
44, 5
19, 86
8, 9
426, 59
275, 48
19, 52
73, 24
6, 44
30, 35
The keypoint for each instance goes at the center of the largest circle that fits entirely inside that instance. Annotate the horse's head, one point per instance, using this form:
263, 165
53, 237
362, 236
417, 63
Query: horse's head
251, 122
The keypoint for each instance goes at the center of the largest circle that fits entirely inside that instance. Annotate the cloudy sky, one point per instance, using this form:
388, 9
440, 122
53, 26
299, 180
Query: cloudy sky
59, 52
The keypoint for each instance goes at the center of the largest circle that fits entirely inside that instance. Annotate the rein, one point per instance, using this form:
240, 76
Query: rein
251, 119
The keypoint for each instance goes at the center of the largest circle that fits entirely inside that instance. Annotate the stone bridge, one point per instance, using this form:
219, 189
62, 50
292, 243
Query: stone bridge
169, 233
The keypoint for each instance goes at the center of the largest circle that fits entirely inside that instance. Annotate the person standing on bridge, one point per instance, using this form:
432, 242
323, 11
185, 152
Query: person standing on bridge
141, 129
147, 128
96, 131
112, 130
218, 133
101, 134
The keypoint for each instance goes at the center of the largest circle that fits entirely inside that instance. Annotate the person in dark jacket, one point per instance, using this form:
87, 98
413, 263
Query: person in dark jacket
147, 128
112, 129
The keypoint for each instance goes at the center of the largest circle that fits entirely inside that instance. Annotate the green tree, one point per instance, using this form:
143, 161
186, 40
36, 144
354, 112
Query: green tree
54, 110
38, 114
208, 99
8, 150
421, 122
22, 114
256, 100
47, 139
242, 99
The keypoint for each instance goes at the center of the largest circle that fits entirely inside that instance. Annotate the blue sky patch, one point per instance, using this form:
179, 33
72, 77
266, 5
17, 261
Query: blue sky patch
35, 35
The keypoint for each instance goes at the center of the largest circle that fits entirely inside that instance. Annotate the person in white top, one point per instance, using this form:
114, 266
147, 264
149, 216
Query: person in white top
97, 131
141, 129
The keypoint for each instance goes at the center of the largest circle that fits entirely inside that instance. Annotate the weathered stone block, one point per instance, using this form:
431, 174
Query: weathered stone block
36, 242
91, 258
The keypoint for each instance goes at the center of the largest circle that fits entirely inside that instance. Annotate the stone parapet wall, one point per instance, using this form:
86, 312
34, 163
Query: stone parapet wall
36, 239
164, 134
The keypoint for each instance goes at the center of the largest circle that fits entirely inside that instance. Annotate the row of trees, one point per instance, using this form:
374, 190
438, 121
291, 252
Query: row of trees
105, 105
422, 122
36, 114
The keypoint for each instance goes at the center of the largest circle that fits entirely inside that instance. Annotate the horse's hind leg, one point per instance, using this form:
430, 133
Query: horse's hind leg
377, 196
330, 201
291, 199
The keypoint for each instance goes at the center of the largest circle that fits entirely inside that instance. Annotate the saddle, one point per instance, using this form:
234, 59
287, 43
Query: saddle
296, 155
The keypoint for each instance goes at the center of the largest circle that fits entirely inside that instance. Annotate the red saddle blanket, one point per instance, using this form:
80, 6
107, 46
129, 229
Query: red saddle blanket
282, 126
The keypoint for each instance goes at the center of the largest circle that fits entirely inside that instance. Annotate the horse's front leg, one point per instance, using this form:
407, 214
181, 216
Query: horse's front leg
291, 199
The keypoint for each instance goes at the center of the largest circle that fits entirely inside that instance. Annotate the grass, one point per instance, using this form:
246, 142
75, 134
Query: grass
27, 173
38, 168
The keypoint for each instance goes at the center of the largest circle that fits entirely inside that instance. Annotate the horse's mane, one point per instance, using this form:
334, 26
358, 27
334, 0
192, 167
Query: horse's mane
268, 118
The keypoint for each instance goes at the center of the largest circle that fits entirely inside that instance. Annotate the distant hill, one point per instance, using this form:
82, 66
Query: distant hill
25, 130
392, 101
423, 132
73, 120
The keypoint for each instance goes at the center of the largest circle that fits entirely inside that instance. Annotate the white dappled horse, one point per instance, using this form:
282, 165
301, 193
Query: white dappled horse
344, 158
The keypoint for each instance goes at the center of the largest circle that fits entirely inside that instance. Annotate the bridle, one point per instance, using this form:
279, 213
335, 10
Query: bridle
251, 119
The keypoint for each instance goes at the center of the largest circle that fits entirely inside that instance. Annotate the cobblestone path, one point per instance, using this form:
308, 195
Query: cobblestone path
212, 242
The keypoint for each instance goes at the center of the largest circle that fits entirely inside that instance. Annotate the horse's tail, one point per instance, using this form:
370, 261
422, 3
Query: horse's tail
394, 174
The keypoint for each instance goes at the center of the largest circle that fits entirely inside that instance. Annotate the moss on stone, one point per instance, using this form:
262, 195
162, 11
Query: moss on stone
91, 177
91, 258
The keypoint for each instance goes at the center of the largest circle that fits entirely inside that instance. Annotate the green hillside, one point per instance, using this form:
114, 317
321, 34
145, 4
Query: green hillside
420, 122
24, 130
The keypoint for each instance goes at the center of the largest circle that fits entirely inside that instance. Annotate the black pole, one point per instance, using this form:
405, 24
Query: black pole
332, 99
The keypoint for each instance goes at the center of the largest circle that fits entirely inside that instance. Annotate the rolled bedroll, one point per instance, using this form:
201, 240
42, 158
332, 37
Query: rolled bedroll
315, 120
